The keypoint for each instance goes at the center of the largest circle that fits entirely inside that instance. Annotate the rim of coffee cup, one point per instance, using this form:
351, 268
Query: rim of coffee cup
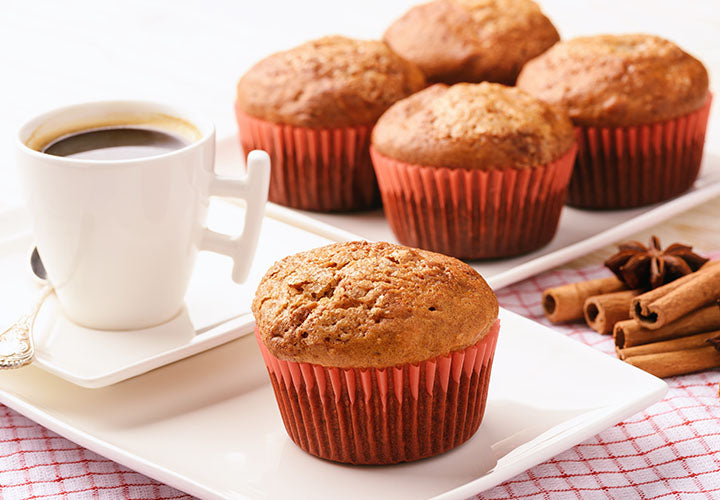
202, 124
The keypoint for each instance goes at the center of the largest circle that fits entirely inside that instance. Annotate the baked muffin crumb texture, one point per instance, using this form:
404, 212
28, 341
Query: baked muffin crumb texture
333, 81
474, 126
472, 40
362, 304
618, 80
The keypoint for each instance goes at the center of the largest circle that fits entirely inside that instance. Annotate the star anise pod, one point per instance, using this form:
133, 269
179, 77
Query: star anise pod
644, 267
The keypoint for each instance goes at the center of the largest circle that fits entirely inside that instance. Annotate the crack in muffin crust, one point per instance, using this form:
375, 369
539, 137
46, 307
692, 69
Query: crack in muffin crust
362, 304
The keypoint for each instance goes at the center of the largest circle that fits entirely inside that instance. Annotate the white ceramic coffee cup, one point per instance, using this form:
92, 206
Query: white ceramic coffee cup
119, 238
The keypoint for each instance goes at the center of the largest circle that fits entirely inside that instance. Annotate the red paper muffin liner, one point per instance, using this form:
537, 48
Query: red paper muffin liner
314, 169
473, 213
625, 167
383, 416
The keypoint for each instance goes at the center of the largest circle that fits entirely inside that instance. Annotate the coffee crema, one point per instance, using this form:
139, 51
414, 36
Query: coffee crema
114, 136
116, 143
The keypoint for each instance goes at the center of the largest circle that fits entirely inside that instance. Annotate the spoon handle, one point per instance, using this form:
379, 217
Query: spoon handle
16, 344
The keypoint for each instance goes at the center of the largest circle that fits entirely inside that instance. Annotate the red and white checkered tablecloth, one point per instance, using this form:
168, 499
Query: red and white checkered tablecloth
671, 450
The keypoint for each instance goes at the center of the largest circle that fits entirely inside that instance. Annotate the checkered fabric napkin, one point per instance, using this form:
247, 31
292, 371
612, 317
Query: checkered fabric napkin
671, 450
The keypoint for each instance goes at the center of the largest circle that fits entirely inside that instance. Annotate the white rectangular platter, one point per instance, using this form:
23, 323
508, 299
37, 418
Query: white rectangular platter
209, 424
579, 231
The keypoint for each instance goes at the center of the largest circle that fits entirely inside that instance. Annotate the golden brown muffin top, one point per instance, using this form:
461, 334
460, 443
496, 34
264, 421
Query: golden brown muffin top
474, 126
618, 80
330, 82
472, 40
362, 304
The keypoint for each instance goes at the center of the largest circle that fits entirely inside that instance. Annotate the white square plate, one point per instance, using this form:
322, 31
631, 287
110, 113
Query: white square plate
579, 231
221, 436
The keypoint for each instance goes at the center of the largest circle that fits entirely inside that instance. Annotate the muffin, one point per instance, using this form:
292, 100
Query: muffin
473, 170
377, 353
312, 108
472, 40
640, 105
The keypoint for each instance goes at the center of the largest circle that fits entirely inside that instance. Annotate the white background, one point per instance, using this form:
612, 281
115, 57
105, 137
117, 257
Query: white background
192, 52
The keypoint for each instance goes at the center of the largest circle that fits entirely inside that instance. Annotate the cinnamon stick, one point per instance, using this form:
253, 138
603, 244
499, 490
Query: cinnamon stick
679, 344
667, 303
669, 364
565, 303
669, 287
630, 333
603, 311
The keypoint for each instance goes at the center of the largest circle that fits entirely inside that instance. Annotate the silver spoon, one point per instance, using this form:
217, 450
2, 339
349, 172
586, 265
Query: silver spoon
37, 267
16, 344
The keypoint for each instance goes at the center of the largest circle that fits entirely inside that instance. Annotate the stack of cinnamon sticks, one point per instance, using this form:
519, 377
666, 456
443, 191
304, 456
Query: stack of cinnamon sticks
666, 331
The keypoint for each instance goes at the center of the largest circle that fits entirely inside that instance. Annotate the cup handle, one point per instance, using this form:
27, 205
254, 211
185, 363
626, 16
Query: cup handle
253, 188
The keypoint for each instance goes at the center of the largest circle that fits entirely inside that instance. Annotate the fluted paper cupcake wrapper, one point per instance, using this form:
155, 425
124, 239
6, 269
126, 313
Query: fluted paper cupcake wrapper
473, 213
623, 167
383, 416
314, 169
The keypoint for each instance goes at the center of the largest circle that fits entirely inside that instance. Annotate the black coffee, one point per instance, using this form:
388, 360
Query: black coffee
119, 143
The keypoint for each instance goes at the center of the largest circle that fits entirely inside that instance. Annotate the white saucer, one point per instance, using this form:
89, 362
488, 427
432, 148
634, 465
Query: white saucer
217, 310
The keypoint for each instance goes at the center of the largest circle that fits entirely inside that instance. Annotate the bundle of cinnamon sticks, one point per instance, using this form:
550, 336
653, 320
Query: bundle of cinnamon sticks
667, 331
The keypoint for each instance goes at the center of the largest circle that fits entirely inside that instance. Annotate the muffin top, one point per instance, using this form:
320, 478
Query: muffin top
329, 82
618, 80
472, 40
362, 304
474, 126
